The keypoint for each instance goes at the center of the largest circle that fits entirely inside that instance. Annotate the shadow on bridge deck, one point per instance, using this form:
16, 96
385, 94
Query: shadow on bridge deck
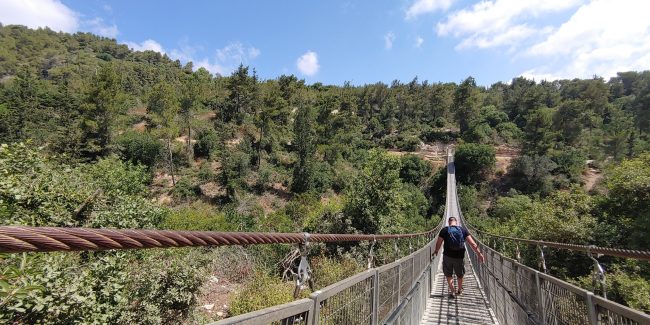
469, 308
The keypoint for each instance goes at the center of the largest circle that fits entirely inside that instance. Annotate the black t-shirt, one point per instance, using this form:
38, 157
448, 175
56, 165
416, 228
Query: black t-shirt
447, 251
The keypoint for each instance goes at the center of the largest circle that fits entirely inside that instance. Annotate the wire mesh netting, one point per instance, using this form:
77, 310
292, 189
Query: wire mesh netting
406, 276
352, 305
388, 291
300, 319
563, 306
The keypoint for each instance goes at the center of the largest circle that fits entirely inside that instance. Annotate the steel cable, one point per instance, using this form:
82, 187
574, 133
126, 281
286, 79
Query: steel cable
618, 252
15, 239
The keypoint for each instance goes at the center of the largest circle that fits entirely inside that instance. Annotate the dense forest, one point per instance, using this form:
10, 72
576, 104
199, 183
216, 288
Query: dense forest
94, 134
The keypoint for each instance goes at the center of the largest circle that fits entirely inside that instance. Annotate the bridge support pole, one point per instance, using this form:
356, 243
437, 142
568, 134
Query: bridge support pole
591, 309
375, 298
540, 295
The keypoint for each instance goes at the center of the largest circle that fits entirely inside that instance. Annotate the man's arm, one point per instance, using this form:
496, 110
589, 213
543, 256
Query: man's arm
438, 244
474, 247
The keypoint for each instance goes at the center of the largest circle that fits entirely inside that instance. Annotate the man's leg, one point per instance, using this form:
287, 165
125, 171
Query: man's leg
448, 271
450, 282
459, 269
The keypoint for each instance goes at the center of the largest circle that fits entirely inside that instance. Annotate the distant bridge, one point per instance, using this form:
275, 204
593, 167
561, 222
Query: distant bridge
410, 290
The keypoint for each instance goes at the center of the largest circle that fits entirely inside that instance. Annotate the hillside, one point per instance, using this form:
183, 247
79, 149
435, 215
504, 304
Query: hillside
94, 134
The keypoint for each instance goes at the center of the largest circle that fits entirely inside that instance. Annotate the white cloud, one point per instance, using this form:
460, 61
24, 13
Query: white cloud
224, 60
253, 52
418, 41
213, 67
420, 7
602, 37
389, 38
499, 22
147, 45
97, 26
39, 13
237, 53
308, 63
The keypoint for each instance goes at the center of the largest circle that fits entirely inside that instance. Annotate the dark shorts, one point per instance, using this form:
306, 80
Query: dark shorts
452, 265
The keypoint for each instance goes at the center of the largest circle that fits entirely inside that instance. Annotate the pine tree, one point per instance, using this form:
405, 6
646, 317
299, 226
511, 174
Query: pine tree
304, 143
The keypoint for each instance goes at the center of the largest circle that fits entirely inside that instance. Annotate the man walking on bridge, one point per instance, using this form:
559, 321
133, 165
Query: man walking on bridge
453, 255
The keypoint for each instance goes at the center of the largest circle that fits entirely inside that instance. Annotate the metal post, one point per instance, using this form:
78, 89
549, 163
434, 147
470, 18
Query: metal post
542, 309
598, 276
518, 253
591, 309
375, 298
316, 315
399, 282
503, 291
542, 260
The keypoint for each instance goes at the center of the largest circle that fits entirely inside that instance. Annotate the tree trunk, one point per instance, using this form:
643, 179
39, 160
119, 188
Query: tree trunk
259, 149
190, 150
171, 161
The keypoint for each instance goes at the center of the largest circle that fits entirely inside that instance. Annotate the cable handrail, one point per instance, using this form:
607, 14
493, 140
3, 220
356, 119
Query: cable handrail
618, 252
16, 239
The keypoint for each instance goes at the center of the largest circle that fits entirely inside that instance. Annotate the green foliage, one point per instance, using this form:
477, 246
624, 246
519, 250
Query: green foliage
242, 95
207, 142
532, 174
251, 298
414, 169
162, 290
329, 271
197, 216
474, 162
185, 190
303, 171
139, 148
629, 200
377, 201
98, 112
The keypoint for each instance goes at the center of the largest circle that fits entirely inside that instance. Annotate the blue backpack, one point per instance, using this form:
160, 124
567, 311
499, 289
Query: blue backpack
456, 238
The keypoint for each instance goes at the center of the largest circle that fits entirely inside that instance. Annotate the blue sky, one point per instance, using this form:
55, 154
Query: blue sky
369, 41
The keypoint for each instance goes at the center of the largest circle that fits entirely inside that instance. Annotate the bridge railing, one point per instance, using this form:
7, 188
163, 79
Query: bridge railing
519, 294
394, 293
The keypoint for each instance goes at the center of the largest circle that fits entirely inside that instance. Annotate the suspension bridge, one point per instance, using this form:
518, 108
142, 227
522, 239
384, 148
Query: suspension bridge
410, 290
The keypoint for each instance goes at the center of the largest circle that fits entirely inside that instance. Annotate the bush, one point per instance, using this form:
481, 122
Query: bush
198, 216
414, 169
139, 148
185, 190
474, 162
206, 143
251, 297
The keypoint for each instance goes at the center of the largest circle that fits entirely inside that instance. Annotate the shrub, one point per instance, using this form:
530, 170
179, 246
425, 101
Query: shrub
473, 162
251, 298
414, 169
185, 189
198, 216
139, 148
206, 143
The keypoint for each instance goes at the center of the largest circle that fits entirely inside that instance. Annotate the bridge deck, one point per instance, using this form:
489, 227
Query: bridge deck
469, 308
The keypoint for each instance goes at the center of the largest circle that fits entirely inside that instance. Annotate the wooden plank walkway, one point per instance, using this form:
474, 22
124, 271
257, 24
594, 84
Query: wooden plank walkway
470, 308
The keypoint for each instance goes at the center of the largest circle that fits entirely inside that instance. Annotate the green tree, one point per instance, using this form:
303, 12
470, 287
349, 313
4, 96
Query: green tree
474, 162
163, 103
629, 200
242, 95
305, 148
192, 93
414, 169
98, 112
466, 103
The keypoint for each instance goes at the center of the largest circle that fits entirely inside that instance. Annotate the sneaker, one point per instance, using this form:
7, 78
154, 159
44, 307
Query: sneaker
452, 295
459, 292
